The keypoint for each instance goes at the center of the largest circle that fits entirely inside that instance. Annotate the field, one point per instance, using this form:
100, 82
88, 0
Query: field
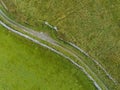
92, 25
27, 66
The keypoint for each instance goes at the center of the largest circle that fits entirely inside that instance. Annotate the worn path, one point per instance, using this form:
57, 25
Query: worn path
92, 76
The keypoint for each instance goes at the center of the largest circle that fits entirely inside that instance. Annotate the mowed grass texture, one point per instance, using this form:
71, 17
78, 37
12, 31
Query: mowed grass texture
92, 25
27, 66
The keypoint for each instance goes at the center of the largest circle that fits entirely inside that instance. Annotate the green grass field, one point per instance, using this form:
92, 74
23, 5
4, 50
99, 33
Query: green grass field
92, 25
27, 66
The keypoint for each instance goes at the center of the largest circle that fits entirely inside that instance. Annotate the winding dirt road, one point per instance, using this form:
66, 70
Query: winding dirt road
43, 36
91, 75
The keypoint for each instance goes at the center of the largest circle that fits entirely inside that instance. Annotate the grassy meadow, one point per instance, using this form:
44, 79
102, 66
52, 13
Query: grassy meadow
93, 25
27, 66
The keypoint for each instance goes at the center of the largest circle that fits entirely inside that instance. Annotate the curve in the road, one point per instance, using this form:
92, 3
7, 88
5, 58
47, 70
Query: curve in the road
36, 41
95, 61
50, 40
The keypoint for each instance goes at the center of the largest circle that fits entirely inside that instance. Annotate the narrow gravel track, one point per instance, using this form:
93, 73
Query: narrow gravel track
49, 40
95, 61
37, 42
3, 4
